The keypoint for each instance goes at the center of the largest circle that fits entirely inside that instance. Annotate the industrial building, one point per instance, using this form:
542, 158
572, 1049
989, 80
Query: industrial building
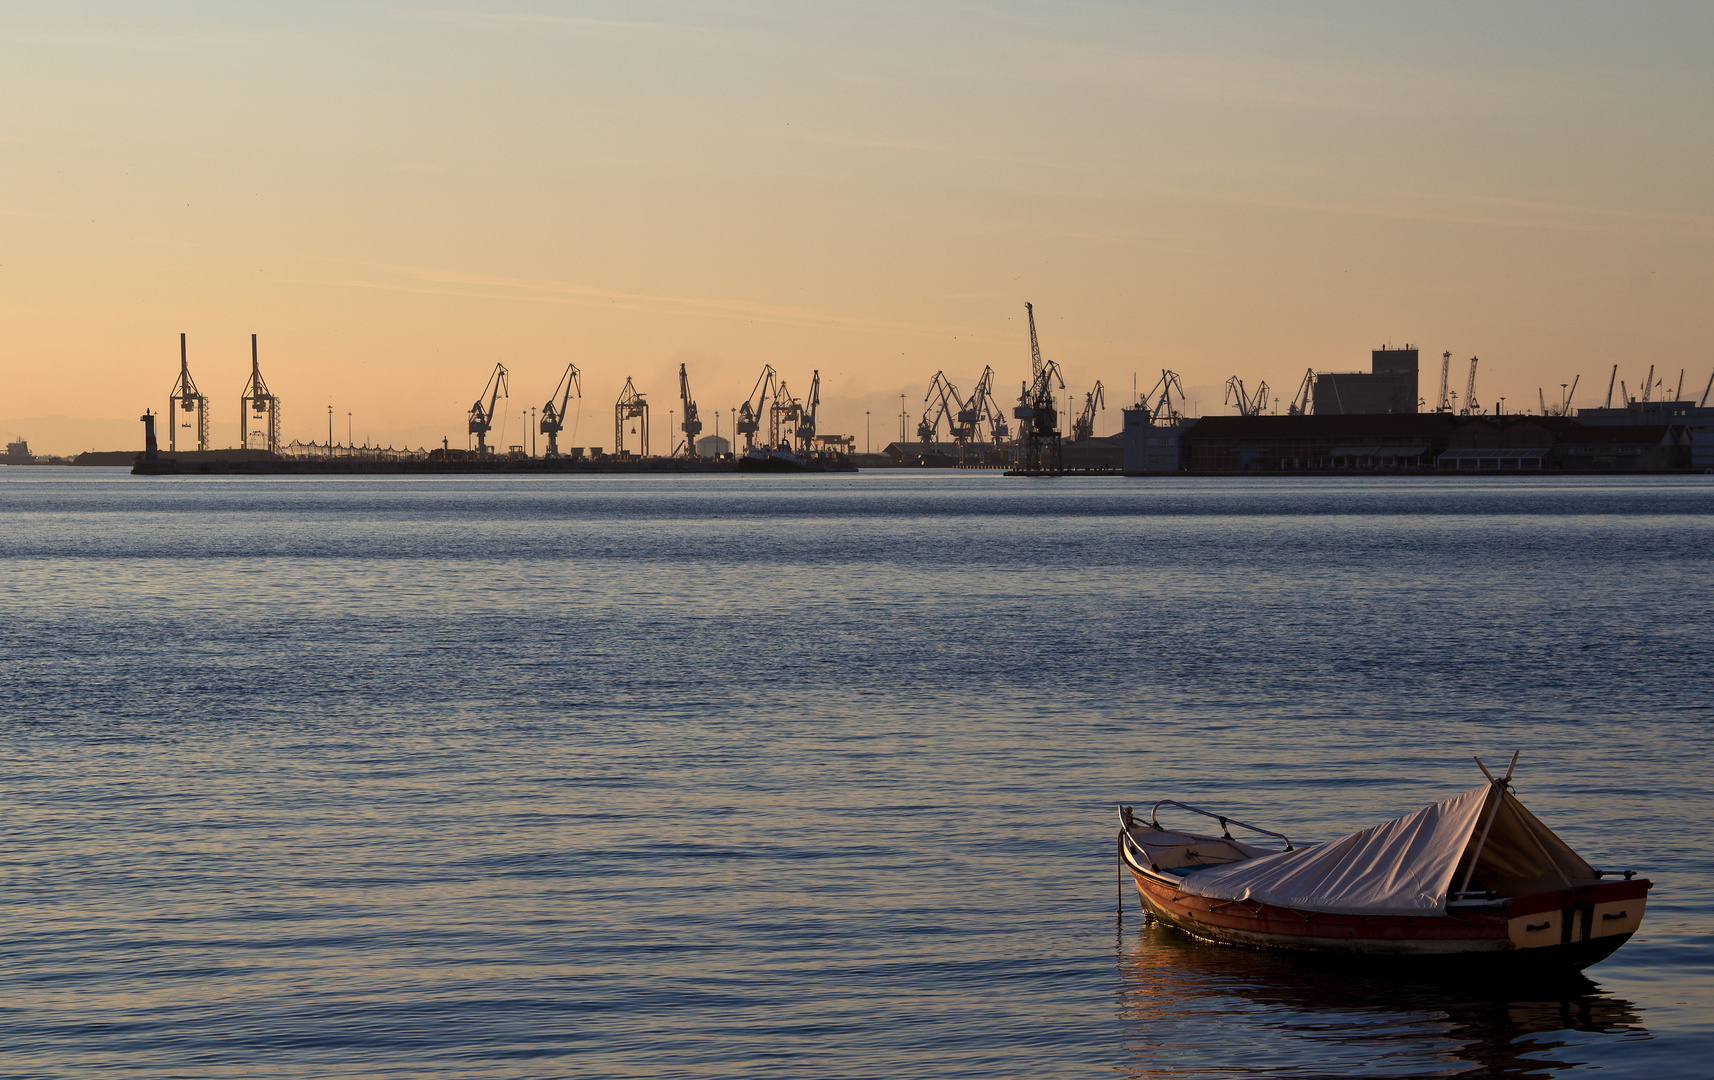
1389, 386
1421, 443
1149, 447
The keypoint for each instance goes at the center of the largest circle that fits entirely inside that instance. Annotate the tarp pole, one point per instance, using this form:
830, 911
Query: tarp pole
1499, 793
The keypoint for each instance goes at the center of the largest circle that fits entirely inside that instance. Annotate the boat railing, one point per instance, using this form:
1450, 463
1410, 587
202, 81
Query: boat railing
1224, 821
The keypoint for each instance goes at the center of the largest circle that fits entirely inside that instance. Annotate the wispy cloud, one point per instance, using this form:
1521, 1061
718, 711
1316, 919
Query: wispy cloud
559, 22
414, 279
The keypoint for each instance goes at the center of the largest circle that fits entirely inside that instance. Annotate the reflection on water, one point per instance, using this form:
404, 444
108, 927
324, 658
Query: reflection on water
1196, 1009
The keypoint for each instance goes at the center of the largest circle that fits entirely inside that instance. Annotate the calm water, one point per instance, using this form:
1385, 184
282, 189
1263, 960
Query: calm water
714, 776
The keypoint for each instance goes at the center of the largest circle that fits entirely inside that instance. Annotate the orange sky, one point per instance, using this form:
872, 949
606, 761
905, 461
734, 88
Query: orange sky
395, 198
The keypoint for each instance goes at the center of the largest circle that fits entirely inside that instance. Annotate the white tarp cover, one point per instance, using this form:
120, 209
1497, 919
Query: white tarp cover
1399, 867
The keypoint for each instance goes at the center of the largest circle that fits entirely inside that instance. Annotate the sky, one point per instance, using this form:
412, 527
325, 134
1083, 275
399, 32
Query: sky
395, 197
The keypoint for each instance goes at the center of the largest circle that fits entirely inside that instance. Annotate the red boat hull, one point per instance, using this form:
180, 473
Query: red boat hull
1570, 928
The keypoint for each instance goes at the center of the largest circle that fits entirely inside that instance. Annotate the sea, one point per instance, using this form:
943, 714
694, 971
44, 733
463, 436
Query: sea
709, 776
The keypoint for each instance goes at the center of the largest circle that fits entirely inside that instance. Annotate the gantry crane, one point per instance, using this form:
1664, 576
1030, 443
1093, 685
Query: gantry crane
1039, 438
553, 413
1444, 404
1470, 407
750, 413
482, 416
185, 397
807, 414
258, 401
630, 406
1648, 383
692, 427
1611, 379
1704, 402
1084, 426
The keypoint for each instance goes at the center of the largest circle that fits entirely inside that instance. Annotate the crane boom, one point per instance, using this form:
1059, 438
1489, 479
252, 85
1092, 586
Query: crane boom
1035, 347
1705, 390
1444, 405
1470, 406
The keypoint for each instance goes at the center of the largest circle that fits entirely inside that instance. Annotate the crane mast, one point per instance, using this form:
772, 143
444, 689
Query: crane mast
1610, 381
692, 426
1470, 406
256, 399
482, 416
185, 397
1444, 404
553, 413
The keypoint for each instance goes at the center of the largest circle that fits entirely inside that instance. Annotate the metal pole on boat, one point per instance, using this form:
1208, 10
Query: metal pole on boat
1499, 793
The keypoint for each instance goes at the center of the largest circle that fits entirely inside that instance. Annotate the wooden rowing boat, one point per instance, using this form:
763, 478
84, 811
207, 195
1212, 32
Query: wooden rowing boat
1476, 875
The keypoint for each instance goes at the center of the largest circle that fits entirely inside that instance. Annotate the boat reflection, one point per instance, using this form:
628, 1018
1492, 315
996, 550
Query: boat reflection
1194, 1009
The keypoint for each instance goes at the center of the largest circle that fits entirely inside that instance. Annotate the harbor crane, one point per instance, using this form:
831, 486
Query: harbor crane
255, 403
807, 414
1610, 381
945, 403
482, 416
186, 398
1679, 393
1304, 401
1444, 404
1648, 383
982, 408
1704, 402
1248, 405
786, 412
1038, 446
1084, 426
1164, 409
553, 413
749, 421
1566, 392
1470, 406
630, 406
692, 426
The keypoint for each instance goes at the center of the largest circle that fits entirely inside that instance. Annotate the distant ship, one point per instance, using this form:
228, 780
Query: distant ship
781, 458
18, 453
